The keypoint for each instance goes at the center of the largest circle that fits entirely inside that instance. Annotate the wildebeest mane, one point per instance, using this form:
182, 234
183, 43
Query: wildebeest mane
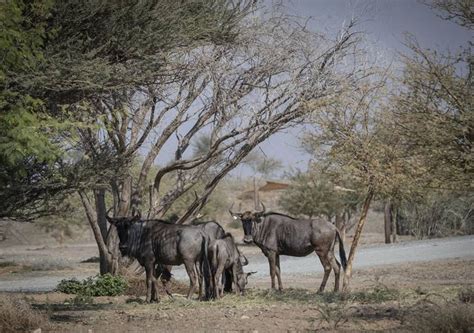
280, 214
160, 221
134, 237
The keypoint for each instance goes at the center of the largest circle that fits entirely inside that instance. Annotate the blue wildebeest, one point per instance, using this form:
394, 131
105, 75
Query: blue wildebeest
213, 231
278, 234
157, 243
224, 255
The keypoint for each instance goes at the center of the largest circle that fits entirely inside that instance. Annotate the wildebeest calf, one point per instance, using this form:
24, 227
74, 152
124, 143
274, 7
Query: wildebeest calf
224, 255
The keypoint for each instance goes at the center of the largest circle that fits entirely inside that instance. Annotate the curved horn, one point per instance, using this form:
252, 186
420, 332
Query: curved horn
107, 214
262, 211
231, 212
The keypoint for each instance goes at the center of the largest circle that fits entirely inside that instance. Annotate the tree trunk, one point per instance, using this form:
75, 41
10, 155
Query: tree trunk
388, 221
91, 214
394, 223
355, 241
102, 222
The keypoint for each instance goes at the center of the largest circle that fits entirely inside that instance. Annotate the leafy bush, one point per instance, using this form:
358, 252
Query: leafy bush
71, 286
101, 285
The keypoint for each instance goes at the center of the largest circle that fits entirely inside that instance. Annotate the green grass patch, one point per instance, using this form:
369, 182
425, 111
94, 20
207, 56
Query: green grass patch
100, 285
376, 295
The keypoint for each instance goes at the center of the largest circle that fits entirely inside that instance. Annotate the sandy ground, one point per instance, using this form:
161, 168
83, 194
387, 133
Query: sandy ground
298, 308
386, 294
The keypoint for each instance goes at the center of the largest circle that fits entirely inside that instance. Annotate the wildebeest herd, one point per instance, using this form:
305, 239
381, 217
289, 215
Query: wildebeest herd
211, 256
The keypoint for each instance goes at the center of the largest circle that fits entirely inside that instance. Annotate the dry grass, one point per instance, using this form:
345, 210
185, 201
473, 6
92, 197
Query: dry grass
5, 264
443, 318
137, 287
466, 295
16, 315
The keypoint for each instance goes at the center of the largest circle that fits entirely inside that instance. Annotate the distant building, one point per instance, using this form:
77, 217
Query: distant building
268, 194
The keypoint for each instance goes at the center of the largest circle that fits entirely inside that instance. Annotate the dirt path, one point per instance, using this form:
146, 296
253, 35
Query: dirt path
369, 256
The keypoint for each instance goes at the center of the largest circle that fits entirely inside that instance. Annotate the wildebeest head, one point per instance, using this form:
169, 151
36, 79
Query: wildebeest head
248, 218
242, 280
123, 225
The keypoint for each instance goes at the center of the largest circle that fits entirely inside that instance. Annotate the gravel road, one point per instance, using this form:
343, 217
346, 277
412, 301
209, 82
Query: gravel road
370, 256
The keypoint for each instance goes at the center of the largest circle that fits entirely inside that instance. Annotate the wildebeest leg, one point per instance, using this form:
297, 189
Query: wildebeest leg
200, 279
323, 257
151, 295
228, 278
220, 287
192, 277
278, 272
163, 273
272, 262
336, 266
154, 294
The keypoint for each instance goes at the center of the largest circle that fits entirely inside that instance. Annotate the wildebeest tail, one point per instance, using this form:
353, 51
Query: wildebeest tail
342, 252
205, 267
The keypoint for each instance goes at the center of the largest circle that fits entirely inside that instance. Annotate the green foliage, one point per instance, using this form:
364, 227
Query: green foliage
103, 46
72, 286
101, 285
261, 164
377, 295
313, 194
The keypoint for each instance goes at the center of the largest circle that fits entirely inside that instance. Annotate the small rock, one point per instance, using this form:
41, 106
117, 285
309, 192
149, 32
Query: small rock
38, 330
245, 317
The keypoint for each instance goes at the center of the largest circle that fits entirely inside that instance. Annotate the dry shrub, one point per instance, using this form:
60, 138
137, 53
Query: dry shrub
466, 295
446, 318
137, 287
16, 315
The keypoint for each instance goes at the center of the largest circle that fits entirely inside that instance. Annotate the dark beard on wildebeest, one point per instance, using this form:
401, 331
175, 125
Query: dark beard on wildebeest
278, 234
156, 242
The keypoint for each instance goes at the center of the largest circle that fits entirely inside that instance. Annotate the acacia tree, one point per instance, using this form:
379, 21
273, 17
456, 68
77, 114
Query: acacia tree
354, 141
56, 55
314, 194
397, 146
237, 94
432, 113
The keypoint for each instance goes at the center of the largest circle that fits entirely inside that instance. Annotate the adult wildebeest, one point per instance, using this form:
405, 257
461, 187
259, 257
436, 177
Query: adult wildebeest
157, 242
224, 255
278, 234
